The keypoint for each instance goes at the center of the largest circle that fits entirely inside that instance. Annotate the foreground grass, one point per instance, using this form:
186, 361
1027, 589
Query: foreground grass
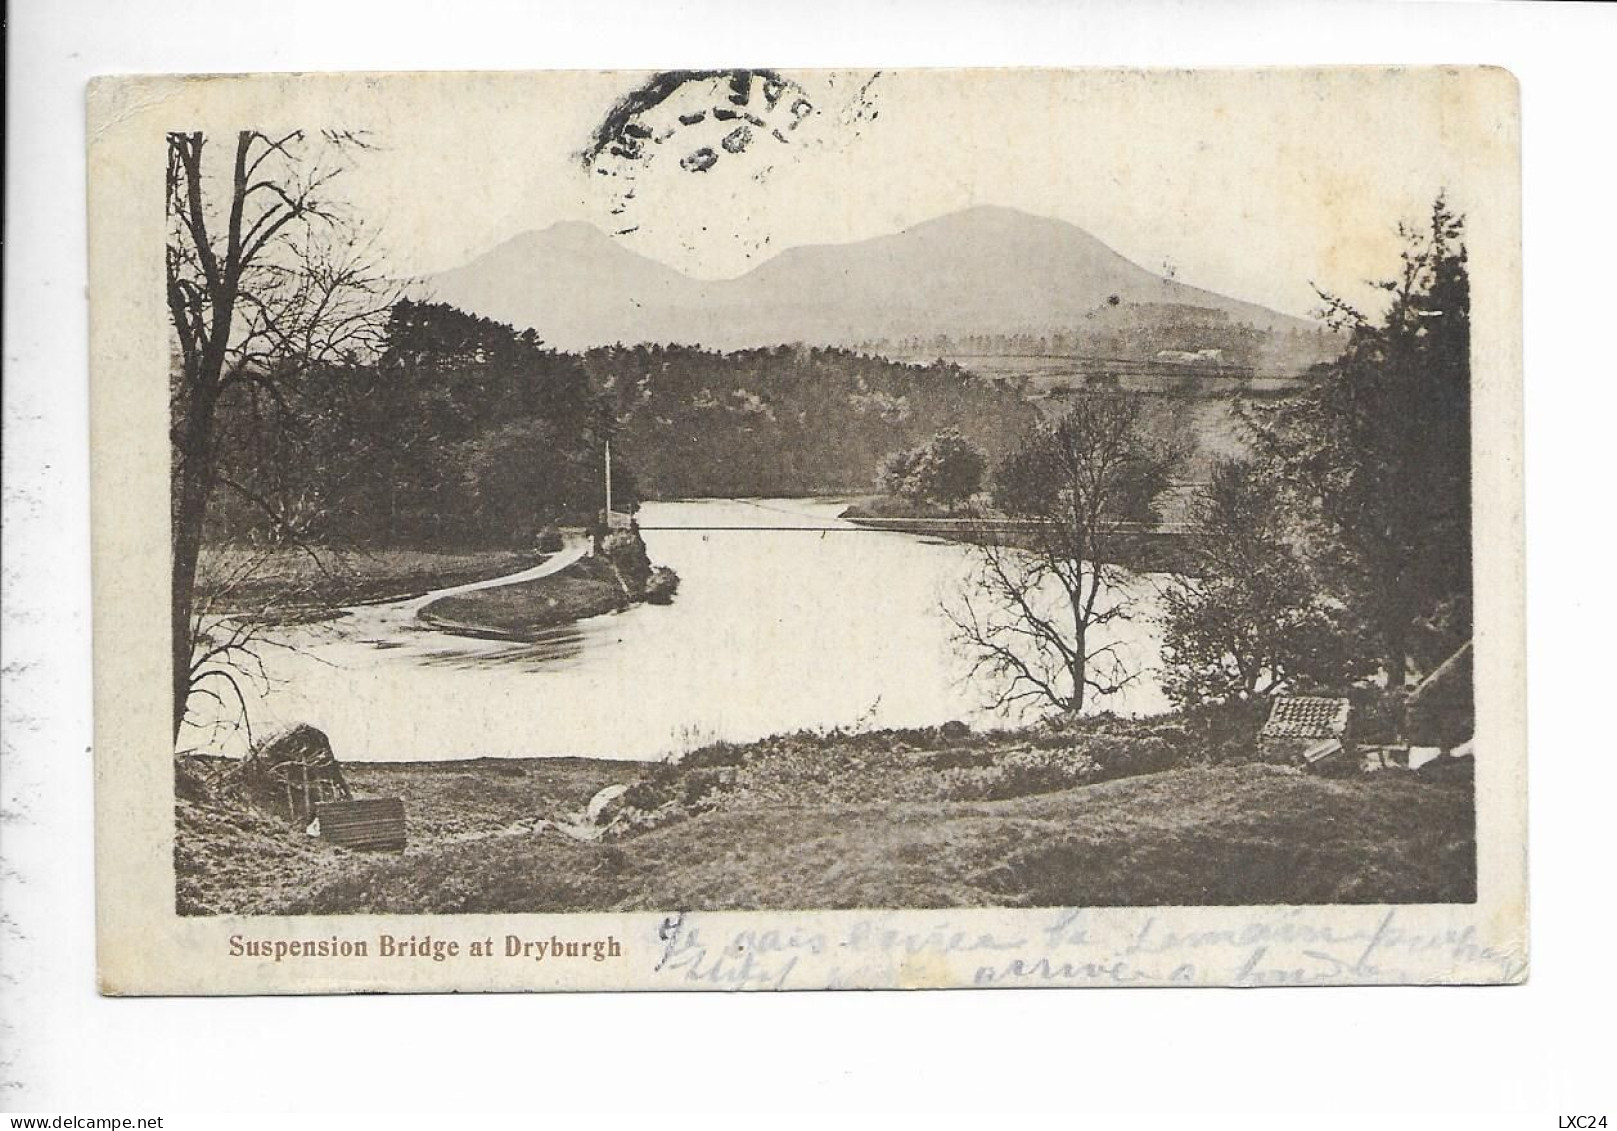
1246, 834
236, 860
290, 583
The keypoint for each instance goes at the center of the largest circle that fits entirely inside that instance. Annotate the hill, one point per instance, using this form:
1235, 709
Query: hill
1202, 836
986, 271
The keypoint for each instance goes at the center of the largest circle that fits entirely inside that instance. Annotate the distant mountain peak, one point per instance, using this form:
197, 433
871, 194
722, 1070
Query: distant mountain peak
569, 235
999, 218
987, 269
580, 230
990, 213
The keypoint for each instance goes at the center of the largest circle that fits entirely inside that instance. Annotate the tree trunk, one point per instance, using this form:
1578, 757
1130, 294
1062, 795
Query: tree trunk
187, 545
195, 476
1397, 654
1395, 632
1075, 705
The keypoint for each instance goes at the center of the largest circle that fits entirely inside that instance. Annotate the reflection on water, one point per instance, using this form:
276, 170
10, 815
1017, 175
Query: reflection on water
554, 648
775, 628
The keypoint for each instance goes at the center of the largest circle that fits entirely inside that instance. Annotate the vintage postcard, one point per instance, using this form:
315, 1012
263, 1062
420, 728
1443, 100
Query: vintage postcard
771, 529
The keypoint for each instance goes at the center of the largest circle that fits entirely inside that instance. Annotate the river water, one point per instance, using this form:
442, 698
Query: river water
775, 628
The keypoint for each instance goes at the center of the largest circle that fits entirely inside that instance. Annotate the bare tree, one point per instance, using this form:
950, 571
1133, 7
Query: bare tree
227, 642
1084, 489
266, 278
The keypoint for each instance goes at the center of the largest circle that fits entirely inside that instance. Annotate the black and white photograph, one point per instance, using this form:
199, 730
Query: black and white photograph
659, 558
771, 491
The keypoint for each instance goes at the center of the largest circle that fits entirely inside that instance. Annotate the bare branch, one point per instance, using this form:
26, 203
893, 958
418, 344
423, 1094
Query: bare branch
261, 290
1081, 484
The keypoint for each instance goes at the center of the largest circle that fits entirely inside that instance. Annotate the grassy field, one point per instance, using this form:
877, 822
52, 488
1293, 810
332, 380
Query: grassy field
234, 860
893, 819
294, 583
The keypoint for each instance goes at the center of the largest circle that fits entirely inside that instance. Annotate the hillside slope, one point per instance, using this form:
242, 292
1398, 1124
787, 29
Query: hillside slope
986, 270
1194, 837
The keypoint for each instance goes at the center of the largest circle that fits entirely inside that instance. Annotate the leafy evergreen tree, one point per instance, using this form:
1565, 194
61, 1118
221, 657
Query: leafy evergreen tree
1377, 453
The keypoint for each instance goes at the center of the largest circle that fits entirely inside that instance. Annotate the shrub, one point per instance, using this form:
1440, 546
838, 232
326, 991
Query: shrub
1126, 756
1218, 733
1046, 771
718, 754
960, 759
1378, 714
894, 474
626, 551
191, 781
550, 541
946, 763
1018, 774
969, 783
661, 585
700, 788
947, 470
651, 792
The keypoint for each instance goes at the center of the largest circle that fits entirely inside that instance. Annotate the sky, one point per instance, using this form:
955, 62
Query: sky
1256, 184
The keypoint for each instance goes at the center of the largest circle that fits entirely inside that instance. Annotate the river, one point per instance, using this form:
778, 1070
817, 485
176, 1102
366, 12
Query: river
775, 628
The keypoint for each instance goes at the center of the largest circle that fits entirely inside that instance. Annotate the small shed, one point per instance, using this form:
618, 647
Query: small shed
1303, 730
371, 823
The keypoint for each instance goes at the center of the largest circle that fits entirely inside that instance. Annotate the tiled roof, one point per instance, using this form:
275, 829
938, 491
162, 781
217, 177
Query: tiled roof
1303, 716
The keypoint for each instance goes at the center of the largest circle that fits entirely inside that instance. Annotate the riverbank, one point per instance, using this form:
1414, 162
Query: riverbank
1151, 551
521, 610
619, 576
1110, 814
292, 584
